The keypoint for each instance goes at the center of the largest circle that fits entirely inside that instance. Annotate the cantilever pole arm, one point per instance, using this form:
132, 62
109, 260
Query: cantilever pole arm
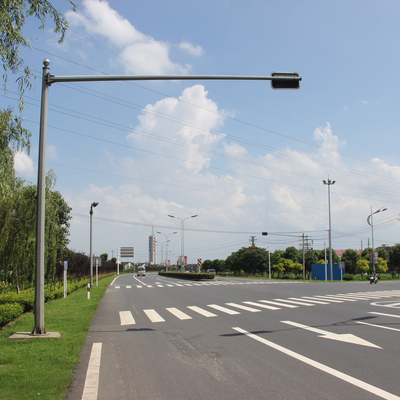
294, 77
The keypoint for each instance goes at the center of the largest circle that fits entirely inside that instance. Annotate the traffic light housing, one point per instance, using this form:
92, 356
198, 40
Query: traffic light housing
285, 83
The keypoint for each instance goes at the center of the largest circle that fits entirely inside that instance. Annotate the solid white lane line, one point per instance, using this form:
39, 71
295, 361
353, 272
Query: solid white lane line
91, 387
242, 307
223, 309
299, 303
378, 326
199, 310
385, 315
340, 375
154, 316
253, 303
126, 318
178, 313
278, 304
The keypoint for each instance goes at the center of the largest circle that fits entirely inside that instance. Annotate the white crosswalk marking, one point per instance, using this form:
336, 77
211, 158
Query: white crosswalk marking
307, 301
117, 287
252, 303
242, 307
275, 303
126, 318
223, 309
129, 287
296, 302
200, 311
154, 316
325, 298
139, 286
178, 313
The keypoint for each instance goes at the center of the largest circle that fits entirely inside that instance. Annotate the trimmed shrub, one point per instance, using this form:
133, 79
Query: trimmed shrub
9, 311
25, 299
348, 277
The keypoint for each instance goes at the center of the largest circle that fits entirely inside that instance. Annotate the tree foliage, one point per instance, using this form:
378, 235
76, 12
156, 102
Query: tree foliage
350, 258
13, 17
249, 260
362, 267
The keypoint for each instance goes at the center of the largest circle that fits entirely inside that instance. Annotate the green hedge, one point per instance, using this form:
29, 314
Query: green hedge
11, 303
188, 276
348, 277
9, 311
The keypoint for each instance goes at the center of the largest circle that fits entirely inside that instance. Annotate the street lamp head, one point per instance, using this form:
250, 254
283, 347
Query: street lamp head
333, 182
384, 209
95, 204
194, 216
324, 181
169, 215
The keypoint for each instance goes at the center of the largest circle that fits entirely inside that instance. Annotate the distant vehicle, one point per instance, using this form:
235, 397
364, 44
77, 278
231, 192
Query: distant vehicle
141, 271
211, 271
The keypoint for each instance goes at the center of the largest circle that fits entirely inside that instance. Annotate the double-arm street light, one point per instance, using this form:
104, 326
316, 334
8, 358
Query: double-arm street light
167, 241
329, 183
370, 221
182, 236
93, 205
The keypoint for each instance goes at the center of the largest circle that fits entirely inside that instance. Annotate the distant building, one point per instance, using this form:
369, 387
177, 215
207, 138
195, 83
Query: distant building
152, 250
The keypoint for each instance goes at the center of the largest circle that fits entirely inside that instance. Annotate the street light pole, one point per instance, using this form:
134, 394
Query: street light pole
167, 241
93, 205
329, 183
182, 236
372, 232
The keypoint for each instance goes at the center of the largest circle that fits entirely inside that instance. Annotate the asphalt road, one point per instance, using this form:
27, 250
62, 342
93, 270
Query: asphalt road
162, 338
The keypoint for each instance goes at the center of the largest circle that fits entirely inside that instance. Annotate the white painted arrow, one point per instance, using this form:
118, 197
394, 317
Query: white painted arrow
344, 337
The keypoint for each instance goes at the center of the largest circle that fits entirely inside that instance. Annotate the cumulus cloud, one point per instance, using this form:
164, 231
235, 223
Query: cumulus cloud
139, 53
23, 164
191, 49
192, 121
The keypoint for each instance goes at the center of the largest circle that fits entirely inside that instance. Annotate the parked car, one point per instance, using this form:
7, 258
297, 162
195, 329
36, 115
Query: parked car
211, 271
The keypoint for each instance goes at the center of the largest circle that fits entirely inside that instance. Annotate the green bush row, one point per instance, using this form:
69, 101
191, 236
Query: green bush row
189, 276
9, 311
13, 304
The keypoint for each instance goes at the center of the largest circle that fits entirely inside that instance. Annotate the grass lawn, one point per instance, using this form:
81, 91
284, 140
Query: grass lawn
40, 367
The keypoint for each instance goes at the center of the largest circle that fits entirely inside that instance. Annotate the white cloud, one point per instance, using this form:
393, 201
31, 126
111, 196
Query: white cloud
365, 102
191, 49
191, 121
23, 164
139, 53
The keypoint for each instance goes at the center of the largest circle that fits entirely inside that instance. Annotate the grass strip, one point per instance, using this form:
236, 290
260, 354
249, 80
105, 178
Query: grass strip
43, 368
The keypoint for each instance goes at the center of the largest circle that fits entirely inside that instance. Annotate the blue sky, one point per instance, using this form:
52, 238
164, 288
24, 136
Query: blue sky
242, 156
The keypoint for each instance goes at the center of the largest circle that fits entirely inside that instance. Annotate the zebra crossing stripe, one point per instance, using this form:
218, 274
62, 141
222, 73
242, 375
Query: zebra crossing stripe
252, 303
178, 313
200, 311
307, 301
223, 309
275, 303
325, 298
129, 287
126, 318
242, 307
154, 316
296, 302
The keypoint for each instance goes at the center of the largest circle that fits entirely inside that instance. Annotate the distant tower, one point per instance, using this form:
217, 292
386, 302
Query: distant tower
152, 248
